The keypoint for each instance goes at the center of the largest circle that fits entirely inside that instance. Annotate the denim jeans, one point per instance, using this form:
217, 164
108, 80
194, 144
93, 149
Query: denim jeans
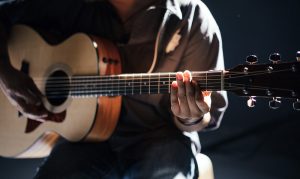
159, 157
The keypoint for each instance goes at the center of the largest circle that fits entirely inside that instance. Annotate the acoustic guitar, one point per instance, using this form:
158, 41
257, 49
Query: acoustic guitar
82, 83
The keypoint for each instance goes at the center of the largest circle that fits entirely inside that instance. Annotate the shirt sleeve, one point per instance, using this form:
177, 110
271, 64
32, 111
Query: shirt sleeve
204, 52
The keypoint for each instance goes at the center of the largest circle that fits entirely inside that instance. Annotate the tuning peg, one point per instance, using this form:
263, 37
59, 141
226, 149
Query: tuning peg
298, 56
275, 103
252, 59
275, 58
296, 105
251, 102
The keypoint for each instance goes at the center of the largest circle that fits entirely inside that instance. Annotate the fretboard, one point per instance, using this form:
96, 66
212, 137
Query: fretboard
138, 84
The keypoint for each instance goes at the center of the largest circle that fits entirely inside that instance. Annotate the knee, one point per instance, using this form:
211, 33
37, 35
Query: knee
205, 167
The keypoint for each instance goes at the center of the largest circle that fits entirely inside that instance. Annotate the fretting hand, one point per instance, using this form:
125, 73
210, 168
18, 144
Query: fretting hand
189, 105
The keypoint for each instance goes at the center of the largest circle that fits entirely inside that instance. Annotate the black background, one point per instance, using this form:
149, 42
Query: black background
251, 142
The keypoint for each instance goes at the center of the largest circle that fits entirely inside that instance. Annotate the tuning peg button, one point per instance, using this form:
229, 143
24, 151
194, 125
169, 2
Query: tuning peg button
275, 58
275, 103
298, 56
296, 105
252, 59
251, 102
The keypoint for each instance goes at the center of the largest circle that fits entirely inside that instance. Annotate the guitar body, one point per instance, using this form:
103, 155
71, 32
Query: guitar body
75, 119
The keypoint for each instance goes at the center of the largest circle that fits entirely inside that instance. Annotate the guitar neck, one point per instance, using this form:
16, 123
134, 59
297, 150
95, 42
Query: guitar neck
137, 84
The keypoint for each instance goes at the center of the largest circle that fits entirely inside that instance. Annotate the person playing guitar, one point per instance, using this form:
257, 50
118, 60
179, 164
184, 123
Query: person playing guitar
151, 36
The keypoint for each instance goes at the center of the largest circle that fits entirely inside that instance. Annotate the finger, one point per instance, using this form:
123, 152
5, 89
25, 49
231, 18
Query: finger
195, 112
174, 99
184, 106
203, 106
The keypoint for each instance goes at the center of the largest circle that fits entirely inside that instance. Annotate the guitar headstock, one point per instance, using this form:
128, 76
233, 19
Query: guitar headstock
275, 80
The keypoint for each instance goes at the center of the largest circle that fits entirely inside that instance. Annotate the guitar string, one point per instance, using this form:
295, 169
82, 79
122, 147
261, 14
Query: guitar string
123, 89
130, 87
101, 79
136, 76
104, 78
210, 87
166, 74
155, 90
120, 84
259, 87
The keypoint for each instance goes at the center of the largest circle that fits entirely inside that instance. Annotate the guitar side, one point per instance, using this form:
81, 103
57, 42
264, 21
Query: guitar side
82, 119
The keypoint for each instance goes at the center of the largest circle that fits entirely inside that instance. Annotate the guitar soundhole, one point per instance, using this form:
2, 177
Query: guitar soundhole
57, 88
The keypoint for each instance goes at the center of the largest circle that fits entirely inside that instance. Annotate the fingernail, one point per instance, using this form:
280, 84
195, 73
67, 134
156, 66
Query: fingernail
179, 76
174, 84
187, 75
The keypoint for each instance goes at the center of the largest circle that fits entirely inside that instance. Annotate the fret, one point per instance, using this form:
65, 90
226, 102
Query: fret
125, 85
122, 85
114, 85
158, 84
102, 85
169, 90
72, 88
144, 84
109, 83
209, 81
132, 84
141, 83
118, 85
165, 81
94, 87
222, 80
129, 84
136, 84
77, 88
83, 87
149, 76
